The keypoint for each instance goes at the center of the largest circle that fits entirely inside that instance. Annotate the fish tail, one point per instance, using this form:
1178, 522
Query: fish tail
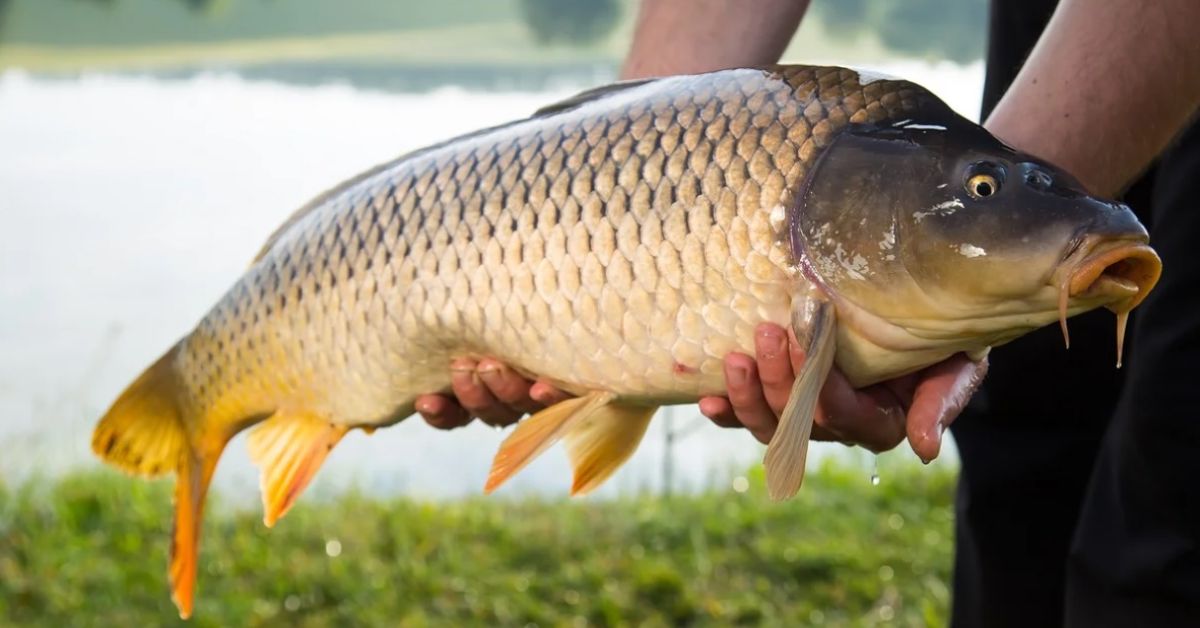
145, 433
191, 486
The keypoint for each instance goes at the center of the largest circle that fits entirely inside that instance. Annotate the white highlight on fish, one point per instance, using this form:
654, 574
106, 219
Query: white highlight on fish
945, 208
970, 250
866, 77
856, 268
777, 217
889, 239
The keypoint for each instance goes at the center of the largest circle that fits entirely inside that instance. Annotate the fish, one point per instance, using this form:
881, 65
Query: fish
620, 244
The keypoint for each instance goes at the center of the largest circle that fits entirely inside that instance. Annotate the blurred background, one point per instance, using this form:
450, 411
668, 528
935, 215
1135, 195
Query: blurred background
147, 147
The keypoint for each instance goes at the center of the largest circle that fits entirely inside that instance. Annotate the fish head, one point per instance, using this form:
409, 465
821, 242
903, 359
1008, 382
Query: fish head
935, 237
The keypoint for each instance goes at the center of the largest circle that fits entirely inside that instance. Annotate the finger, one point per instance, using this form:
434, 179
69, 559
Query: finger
902, 388
476, 398
544, 394
506, 385
719, 411
775, 365
942, 393
796, 362
441, 412
746, 396
871, 417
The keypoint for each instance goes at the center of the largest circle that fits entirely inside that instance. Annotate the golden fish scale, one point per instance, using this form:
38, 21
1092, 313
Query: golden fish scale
626, 245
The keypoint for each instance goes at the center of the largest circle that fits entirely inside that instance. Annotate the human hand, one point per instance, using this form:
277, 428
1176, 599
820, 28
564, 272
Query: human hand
489, 390
920, 406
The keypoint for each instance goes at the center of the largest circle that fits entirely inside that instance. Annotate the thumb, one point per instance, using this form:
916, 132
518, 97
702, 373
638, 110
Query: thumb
942, 392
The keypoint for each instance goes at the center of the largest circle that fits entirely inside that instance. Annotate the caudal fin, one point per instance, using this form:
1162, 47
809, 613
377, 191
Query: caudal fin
191, 485
144, 433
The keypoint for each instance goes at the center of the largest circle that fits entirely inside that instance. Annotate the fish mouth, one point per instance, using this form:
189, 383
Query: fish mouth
1119, 275
1122, 276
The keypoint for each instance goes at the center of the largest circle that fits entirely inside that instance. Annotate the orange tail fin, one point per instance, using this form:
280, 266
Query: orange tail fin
145, 433
191, 486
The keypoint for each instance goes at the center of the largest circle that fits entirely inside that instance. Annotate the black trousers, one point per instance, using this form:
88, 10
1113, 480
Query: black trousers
1079, 501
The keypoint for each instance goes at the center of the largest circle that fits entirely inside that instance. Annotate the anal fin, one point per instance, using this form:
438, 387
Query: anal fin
289, 449
537, 433
602, 441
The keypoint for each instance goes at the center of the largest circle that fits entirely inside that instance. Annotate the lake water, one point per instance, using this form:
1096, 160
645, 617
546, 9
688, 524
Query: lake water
130, 204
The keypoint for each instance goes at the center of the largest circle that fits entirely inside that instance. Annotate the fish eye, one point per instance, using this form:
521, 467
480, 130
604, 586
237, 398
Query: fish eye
981, 186
983, 181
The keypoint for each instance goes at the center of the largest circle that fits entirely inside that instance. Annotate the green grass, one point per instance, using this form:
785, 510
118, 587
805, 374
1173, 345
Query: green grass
90, 549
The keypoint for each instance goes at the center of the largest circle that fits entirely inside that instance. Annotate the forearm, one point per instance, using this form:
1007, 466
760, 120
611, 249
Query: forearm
687, 36
1107, 87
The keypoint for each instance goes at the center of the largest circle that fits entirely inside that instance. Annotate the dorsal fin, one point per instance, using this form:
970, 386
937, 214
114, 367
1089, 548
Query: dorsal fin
589, 95
320, 200
327, 195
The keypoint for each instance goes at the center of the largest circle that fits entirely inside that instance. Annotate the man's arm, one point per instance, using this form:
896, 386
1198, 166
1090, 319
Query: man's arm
691, 36
1108, 85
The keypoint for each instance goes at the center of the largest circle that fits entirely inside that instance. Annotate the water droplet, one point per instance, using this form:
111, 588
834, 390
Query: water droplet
875, 471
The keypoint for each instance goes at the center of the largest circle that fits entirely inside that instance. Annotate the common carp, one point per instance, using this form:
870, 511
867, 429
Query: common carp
620, 244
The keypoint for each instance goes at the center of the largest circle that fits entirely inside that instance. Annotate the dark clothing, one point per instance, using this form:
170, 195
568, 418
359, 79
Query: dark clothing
1076, 504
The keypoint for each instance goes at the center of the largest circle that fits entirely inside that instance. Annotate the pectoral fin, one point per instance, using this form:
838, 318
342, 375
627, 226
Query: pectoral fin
537, 433
601, 442
814, 322
289, 448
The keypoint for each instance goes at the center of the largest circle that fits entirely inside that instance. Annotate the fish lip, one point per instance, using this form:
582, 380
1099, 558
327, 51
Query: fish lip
1120, 273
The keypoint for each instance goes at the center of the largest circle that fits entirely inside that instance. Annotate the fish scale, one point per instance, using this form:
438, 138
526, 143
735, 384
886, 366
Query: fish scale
623, 244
